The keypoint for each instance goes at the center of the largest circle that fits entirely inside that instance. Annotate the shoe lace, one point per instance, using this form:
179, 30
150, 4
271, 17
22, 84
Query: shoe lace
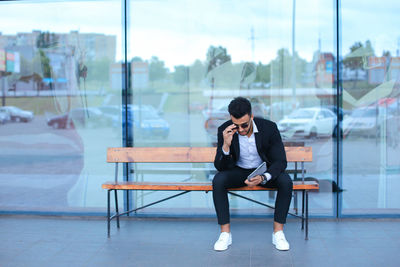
222, 238
280, 238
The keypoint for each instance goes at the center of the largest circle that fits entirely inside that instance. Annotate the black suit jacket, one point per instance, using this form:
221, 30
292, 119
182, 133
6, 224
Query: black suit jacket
269, 146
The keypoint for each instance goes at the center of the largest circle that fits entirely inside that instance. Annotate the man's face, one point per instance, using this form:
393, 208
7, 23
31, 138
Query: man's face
243, 124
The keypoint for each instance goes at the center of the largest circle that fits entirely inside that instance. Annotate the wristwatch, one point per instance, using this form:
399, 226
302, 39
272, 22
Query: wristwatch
264, 181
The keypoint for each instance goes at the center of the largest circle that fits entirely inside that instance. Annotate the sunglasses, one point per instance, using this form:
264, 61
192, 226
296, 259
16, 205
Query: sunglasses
243, 125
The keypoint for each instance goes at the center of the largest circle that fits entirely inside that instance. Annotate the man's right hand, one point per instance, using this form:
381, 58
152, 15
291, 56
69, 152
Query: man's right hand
228, 135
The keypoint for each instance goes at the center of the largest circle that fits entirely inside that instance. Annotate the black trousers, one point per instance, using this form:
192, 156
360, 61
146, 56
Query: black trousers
235, 178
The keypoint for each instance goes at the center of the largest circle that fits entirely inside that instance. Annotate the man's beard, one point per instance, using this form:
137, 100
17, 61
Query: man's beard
250, 127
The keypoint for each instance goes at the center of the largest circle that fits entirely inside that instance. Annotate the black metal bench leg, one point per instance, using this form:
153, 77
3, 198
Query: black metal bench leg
108, 213
302, 210
295, 203
306, 215
116, 207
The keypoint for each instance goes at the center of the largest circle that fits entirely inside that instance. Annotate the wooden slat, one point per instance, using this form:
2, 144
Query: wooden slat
191, 170
297, 185
187, 154
299, 153
161, 154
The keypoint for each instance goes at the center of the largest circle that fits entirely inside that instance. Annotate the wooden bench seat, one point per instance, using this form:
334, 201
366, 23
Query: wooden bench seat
189, 186
196, 155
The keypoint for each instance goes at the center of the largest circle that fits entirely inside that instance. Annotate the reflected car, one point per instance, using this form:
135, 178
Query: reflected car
17, 114
4, 117
214, 118
144, 119
362, 121
308, 122
112, 114
146, 122
342, 112
81, 117
277, 110
196, 107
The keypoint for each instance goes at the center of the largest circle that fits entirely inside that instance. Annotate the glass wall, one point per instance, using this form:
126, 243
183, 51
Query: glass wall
188, 62
60, 103
371, 78
69, 79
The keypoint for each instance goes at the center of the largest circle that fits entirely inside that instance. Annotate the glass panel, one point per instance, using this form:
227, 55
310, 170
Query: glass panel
60, 103
371, 77
187, 63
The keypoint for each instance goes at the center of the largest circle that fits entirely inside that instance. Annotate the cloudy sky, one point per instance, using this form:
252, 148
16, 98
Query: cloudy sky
180, 31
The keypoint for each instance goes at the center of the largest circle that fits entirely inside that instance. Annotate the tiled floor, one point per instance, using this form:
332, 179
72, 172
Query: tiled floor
66, 241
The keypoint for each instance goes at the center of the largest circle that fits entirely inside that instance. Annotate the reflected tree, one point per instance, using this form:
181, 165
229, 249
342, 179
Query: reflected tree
282, 71
263, 73
354, 62
43, 61
248, 74
47, 40
137, 59
47, 70
181, 75
216, 56
196, 72
157, 69
357, 59
99, 70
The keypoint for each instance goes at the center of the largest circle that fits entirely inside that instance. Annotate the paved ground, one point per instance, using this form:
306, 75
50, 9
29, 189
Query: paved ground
70, 241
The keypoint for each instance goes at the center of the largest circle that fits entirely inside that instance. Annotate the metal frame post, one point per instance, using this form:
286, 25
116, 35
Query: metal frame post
306, 214
295, 204
108, 212
116, 207
302, 210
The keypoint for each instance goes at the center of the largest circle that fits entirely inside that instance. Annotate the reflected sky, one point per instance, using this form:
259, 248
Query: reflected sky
180, 31
190, 27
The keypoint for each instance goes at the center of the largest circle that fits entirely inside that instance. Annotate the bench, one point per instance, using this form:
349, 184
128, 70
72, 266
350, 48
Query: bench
196, 155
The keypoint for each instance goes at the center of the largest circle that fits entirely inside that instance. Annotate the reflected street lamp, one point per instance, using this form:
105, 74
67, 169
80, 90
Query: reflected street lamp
293, 56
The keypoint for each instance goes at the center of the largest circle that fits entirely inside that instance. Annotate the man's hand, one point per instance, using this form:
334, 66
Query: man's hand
228, 135
256, 180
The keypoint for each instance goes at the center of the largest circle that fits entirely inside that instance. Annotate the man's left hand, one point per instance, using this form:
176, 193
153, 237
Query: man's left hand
256, 180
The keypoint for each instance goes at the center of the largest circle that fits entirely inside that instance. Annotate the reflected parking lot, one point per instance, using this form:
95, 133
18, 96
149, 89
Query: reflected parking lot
59, 155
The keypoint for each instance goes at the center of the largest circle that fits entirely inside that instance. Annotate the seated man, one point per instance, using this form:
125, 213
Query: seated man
244, 142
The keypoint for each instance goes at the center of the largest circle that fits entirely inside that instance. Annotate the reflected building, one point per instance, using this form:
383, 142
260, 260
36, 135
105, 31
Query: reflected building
54, 60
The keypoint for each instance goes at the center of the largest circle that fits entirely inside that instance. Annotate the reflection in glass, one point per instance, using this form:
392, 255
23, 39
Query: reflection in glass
187, 63
308, 123
371, 92
54, 76
61, 77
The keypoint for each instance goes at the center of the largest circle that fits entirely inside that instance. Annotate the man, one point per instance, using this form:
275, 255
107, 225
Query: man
244, 142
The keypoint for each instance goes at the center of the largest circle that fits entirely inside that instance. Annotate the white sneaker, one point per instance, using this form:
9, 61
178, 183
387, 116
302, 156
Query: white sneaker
279, 240
223, 242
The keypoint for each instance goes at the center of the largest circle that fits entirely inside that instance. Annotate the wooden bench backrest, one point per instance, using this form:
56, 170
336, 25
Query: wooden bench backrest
187, 154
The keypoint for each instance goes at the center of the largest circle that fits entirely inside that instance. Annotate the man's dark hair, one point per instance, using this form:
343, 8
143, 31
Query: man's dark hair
239, 107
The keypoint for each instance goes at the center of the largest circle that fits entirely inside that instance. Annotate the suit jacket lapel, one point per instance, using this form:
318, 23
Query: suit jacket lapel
235, 145
258, 137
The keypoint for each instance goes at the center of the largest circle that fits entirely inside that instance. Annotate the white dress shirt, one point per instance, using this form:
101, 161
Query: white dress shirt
249, 157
